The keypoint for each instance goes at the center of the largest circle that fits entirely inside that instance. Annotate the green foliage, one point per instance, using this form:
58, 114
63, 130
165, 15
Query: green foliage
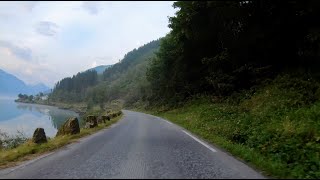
124, 80
10, 142
25, 98
220, 47
130, 59
278, 123
258, 61
73, 89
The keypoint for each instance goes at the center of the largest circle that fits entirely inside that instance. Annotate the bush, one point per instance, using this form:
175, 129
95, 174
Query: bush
10, 142
278, 120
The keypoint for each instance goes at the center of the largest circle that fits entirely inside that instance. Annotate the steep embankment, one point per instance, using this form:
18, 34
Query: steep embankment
275, 127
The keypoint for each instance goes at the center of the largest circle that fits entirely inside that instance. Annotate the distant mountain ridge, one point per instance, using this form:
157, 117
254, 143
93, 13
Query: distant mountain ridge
120, 80
100, 69
12, 86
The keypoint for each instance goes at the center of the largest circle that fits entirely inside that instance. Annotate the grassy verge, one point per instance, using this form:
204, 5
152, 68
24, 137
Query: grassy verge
29, 150
276, 129
189, 119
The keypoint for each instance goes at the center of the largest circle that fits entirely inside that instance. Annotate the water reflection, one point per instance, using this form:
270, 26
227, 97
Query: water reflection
27, 117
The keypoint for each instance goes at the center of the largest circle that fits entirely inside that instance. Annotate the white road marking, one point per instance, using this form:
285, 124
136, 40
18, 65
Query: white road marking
165, 120
199, 141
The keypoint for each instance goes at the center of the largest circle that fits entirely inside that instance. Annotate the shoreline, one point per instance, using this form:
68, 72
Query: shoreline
63, 106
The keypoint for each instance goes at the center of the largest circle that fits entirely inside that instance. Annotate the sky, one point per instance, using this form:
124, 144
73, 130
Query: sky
45, 41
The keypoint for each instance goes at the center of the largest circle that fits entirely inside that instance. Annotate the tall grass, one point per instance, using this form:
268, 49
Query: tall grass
276, 128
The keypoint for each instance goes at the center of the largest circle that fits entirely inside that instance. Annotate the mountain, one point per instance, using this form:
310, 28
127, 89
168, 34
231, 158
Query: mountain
100, 69
12, 86
48, 91
35, 89
125, 80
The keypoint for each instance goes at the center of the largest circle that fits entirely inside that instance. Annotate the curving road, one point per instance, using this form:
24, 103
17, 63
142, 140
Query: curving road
138, 146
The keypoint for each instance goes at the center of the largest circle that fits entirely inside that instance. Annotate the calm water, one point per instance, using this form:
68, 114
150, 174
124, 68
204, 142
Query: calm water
27, 117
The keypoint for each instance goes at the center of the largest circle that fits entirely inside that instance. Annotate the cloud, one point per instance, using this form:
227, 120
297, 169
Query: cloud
103, 58
94, 64
91, 7
81, 33
46, 28
31, 72
20, 52
4, 16
29, 5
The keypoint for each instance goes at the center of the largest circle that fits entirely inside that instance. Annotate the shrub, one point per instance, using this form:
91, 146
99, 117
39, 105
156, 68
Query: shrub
10, 142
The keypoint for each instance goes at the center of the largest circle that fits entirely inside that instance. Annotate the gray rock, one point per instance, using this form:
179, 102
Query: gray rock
39, 136
71, 126
101, 120
105, 118
87, 125
91, 121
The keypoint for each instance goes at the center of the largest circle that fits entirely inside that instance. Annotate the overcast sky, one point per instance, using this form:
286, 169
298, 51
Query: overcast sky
47, 41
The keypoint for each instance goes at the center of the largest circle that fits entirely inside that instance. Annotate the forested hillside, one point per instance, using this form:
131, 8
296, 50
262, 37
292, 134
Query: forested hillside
242, 74
220, 47
73, 89
124, 80
100, 69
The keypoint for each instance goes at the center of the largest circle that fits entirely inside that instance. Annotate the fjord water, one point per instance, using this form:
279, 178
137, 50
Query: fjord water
26, 118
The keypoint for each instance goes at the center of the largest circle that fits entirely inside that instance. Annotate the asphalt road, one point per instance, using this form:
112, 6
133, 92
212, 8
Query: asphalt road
138, 146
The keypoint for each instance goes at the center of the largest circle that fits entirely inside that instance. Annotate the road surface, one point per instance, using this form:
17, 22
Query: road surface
138, 146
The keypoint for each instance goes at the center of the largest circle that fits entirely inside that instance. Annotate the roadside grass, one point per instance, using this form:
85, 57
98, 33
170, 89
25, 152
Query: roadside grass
30, 150
276, 129
192, 122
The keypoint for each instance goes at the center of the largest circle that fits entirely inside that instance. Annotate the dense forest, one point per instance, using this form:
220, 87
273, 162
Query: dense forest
122, 80
73, 89
216, 48
220, 47
248, 70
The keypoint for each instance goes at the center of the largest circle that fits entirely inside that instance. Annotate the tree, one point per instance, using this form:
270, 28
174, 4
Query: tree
20, 96
220, 47
72, 89
30, 98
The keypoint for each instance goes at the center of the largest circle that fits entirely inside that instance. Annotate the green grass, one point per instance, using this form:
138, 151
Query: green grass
30, 150
276, 129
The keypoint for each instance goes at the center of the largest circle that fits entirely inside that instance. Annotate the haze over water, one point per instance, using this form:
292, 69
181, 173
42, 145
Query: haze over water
27, 117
